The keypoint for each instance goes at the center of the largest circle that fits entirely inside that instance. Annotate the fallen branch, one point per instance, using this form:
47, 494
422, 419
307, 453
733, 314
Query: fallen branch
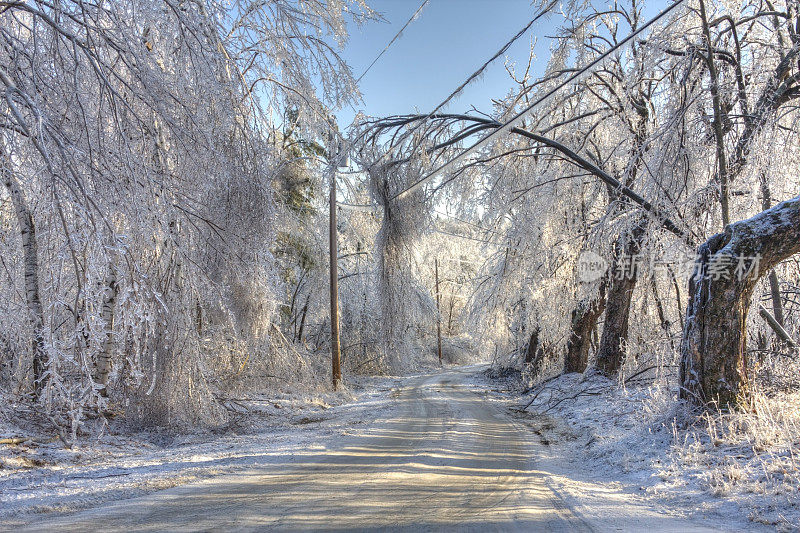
640, 372
776, 327
14, 440
98, 477
587, 392
363, 363
541, 387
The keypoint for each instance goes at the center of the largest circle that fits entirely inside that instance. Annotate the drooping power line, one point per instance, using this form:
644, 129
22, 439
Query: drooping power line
397, 36
544, 11
478, 73
475, 75
575, 77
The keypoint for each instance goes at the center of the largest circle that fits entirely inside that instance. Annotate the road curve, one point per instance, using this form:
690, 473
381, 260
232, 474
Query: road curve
447, 461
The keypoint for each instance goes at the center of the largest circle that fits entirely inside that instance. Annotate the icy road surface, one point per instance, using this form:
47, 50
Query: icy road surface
445, 460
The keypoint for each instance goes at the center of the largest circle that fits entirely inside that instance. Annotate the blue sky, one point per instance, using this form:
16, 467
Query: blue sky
441, 48
437, 52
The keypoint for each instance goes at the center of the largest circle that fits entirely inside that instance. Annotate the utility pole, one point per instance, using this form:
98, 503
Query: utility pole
336, 368
438, 310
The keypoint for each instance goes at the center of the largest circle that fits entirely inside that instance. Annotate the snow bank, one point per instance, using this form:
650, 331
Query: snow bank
742, 465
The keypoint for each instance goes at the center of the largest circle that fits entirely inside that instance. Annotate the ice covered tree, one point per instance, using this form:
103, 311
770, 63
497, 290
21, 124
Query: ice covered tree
140, 153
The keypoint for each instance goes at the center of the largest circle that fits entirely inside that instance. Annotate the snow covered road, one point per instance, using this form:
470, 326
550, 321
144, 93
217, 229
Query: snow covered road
446, 459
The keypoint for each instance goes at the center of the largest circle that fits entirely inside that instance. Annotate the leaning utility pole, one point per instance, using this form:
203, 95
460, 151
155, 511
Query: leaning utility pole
336, 369
438, 310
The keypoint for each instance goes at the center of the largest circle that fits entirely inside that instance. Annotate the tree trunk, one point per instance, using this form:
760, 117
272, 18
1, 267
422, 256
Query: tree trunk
662, 316
775, 294
584, 319
624, 275
104, 358
774, 283
713, 347
30, 252
534, 354
718, 120
303, 321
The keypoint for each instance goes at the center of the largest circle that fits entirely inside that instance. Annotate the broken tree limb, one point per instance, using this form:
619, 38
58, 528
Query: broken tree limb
776, 327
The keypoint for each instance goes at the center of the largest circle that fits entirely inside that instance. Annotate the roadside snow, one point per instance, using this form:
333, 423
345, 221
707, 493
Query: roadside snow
41, 475
639, 441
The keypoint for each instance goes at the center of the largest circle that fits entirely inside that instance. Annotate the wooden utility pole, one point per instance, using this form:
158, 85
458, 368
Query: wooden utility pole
336, 369
438, 311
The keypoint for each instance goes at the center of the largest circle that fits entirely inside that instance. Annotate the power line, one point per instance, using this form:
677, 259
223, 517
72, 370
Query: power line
457, 91
497, 54
472, 77
397, 36
472, 224
469, 80
366, 208
577, 76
